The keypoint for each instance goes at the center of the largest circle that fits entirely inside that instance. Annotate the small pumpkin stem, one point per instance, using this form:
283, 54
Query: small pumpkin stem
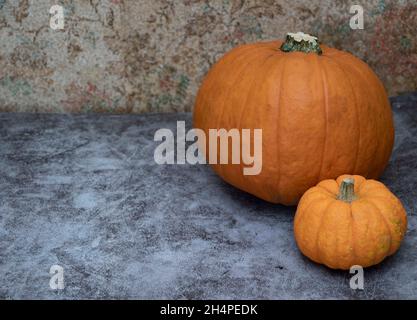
301, 42
346, 192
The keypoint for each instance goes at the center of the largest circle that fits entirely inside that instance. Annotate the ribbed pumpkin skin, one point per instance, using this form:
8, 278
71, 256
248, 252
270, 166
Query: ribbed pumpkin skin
321, 116
340, 234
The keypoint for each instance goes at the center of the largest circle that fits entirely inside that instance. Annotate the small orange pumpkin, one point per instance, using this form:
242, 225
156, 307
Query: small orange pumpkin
349, 221
322, 112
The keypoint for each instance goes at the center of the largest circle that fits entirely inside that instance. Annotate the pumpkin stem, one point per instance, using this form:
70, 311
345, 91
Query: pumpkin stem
301, 42
346, 192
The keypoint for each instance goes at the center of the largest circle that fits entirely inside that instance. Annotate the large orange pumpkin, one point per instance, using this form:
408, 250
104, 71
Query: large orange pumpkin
323, 113
350, 221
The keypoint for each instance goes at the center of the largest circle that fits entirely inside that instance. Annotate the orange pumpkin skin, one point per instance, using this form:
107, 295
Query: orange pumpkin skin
340, 234
321, 116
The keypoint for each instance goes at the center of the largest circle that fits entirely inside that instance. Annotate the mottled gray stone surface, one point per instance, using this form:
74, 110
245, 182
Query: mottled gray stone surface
84, 192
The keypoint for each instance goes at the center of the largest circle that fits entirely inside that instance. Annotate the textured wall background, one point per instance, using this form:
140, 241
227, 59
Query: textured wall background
151, 55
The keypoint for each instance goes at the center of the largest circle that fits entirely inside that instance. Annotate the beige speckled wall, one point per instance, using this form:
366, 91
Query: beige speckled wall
151, 55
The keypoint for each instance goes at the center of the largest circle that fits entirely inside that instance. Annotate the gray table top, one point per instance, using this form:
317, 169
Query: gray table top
83, 192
